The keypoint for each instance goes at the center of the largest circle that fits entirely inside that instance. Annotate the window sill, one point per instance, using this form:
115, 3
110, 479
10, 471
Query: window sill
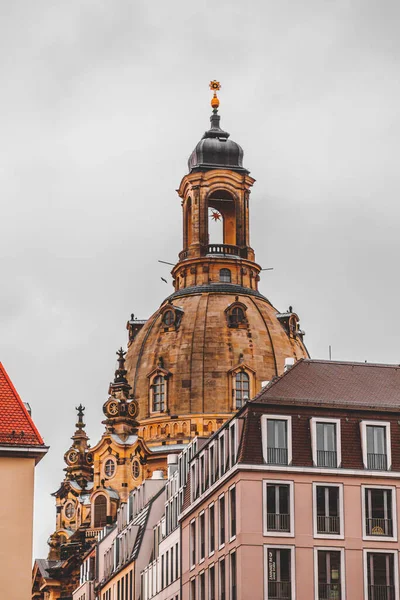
192, 567
202, 560
328, 536
221, 546
232, 538
278, 533
211, 554
379, 538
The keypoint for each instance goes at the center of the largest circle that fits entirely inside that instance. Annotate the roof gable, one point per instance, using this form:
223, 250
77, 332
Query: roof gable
16, 425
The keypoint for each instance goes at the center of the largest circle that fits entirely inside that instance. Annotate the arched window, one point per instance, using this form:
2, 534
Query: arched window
225, 275
241, 388
135, 469
168, 318
236, 316
158, 393
100, 511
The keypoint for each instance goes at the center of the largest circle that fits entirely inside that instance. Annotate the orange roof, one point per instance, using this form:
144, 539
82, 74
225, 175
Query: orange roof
16, 425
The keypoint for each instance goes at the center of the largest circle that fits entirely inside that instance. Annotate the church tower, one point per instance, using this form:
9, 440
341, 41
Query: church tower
216, 338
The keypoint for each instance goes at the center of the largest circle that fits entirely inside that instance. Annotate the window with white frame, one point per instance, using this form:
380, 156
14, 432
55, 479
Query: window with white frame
279, 572
192, 589
202, 586
326, 442
221, 446
222, 580
376, 445
379, 512
278, 501
233, 576
202, 536
221, 520
277, 439
329, 573
232, 444
211, 460
381, 575
211, 529
192, 543
328, 510
232, 512
211, 582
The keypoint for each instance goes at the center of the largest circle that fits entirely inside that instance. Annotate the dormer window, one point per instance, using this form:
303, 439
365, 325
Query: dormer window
171, 317
158, 393
236, 314
225, 276
168, 318
242, 388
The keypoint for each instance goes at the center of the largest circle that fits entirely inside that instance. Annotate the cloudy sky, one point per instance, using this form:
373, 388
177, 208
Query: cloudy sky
102, 103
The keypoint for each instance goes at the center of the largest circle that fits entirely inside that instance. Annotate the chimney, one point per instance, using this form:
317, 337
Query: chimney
172, 461
289, 362
157, 475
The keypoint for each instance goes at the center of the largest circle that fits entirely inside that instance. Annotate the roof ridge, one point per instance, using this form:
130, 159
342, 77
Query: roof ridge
349, 363
278, 378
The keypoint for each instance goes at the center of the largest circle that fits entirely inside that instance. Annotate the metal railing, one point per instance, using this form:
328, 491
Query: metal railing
379, 527
277, 456
279, 590
377, 462
329, 591
381, 592
328, 525
327, 458
278, 522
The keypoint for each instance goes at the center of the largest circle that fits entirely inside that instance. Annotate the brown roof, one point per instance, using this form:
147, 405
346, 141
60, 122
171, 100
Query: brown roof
331, 383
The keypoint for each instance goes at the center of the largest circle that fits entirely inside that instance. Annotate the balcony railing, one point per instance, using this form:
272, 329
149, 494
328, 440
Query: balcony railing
328, 525
277, 456
329, 591
223, 249
377, 462
276, 522
381, 592
327, 458
379, 527
279, 590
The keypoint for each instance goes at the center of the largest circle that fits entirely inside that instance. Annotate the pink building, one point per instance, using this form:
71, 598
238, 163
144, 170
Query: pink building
297, 496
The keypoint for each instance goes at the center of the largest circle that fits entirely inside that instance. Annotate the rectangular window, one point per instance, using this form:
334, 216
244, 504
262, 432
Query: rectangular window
326, 442
232, 512
202, 473
277, 439
328, 510
233, 576
202, 586
166, 568
278, 501
171, 569
376, 445
381, 575
202, 536
279, 577
211, 583
162, 572
176, 561
222, 455
221, 504
192, 589
193, 483
192, 543
379, 512
211, 455
222, 580
211, 529
329, 574
232, 444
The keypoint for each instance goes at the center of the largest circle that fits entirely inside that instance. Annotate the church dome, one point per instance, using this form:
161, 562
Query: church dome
215, 150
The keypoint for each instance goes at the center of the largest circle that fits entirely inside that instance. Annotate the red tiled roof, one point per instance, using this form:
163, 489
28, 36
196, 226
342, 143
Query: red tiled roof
16, 425
334, 383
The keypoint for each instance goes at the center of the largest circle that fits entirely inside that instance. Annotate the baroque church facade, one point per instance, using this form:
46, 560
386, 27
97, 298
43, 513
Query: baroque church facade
209, 347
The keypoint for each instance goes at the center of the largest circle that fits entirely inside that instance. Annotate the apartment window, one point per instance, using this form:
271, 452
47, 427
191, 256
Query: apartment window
211, 583
329, 574
202, 586
233, 576
222, 580
232, 512
176, 561
277, 437
381, 573
211, 529
202, 536
379, 512
193, 483
278, 507
279, 570
221, 504
326, 443
328, 510
162, 572
232, 444
376, 445
192, 543
211, 455
193, 589
222, 454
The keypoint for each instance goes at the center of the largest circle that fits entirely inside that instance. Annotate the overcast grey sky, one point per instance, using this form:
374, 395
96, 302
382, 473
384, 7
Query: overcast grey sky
101, 105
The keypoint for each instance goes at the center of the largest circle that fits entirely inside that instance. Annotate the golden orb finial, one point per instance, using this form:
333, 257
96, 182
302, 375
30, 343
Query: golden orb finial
214, 87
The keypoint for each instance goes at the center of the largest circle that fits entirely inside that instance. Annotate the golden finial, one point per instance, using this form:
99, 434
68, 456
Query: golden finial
215, 86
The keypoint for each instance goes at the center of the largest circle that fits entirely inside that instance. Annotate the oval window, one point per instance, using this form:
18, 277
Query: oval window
237, 316
168, 318
135, 469
69, 510
109, 467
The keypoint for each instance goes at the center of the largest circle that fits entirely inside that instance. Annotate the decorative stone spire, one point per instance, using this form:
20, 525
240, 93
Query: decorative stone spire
78, 458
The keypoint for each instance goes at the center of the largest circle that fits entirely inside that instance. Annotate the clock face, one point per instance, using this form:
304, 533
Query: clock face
133, 409
72, 456
112, 408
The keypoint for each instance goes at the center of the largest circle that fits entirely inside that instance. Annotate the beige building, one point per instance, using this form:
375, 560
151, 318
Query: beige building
21, 448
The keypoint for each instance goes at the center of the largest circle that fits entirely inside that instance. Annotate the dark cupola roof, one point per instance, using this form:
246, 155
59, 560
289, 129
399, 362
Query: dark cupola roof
216, 151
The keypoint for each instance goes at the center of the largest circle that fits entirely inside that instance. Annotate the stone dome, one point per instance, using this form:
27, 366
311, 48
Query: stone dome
200, 354
215, 150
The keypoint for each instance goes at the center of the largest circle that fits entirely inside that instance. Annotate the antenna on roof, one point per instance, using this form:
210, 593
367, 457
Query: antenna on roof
330, 352
268, 269
166, 263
